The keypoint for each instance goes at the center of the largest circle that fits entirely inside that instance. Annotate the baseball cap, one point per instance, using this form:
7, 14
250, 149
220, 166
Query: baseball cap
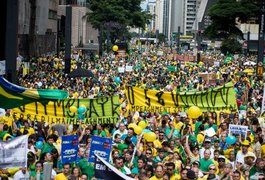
245, 143
221, 157
216, 139
250, 155
207, 140
196, 162
170, 151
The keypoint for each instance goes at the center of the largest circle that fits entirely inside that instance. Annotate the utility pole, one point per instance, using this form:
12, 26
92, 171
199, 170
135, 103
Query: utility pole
11, 40
178, 40
260, 68
68, 38
199, 42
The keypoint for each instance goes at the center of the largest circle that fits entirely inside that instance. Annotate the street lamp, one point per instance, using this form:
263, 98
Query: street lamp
260, 69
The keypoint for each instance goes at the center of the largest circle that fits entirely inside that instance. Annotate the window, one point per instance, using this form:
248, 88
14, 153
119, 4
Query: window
52, 14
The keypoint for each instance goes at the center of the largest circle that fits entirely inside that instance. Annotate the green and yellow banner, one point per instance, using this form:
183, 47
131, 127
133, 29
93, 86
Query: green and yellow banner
103, 110
147, 100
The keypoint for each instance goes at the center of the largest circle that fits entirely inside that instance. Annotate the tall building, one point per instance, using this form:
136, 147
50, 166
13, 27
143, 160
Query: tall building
190, 9
177, 12
37, 26
163, 16
151, 7
202, 19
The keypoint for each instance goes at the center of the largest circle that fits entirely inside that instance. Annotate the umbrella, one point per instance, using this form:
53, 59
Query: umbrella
248, 71
249, 63
80, 72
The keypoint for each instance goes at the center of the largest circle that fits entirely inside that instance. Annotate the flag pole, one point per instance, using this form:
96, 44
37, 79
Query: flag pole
138, 141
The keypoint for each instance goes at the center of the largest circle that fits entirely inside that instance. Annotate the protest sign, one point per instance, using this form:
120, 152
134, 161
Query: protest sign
100, 146
129, 68
216, 63
13, 154
237, 129
69, 148
104, 170
121, 69
147, 100
103, 110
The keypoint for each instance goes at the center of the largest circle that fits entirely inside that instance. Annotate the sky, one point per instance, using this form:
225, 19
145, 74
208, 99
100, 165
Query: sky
144, 3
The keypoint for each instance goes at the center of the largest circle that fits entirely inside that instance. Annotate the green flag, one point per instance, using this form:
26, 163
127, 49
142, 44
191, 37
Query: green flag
12, 95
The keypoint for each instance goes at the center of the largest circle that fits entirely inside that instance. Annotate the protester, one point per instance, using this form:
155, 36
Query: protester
182, 148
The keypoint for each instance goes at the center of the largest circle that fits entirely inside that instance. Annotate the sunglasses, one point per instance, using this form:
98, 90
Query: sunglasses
148, 153
212, 169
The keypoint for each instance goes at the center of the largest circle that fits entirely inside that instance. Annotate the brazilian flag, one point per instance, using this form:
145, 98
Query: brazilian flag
12, 95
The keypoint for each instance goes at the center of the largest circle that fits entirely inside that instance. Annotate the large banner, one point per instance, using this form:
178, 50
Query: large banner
147, 100
100, 146
69, 148
14, 153
103, 110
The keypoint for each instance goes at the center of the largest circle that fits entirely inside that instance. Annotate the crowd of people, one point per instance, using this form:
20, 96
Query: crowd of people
181, 150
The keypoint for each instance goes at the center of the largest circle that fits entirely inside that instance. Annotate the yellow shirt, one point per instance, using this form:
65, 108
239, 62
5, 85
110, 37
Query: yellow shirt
178, 125
30, 130
263, 149
157, 144
174, 177
60, 176
155, 178
6, 120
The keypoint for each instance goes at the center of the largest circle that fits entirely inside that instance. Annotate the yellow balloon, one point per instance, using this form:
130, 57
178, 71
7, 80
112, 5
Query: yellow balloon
132, 125
138, 130
142, 124
73, 109
115, 48
150, 136
194, 112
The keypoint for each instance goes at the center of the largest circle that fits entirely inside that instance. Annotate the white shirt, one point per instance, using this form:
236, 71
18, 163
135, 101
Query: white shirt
20, 176
202, 153
241, 157
119, 132
53, 174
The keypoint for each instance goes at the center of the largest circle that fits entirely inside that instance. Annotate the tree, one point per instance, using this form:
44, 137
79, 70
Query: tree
124, 12
231, 45
226, 13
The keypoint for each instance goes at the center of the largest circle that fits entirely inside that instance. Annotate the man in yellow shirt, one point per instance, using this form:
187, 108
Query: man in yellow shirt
177, 123
159, 173
7, 118
170, 166
29, 130
66, 172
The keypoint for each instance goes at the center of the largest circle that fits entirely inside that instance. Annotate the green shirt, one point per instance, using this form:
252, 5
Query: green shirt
254, 170
47, 148
204, 164
101, 134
